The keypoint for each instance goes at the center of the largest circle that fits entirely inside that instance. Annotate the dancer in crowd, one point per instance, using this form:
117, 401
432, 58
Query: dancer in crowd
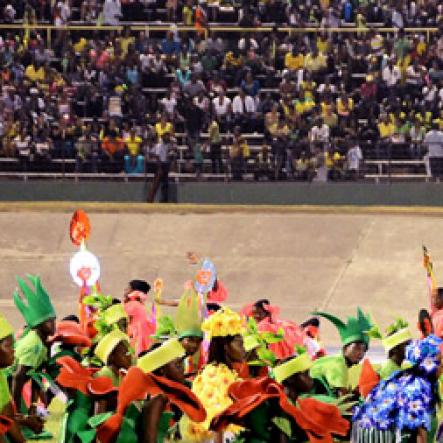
333, 370
403, 407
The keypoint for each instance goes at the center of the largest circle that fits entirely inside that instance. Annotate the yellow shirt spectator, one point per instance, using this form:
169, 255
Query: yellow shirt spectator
302, 106
315, 63
322, 45
162, 128
188, 16
343, 107
80, 45
35, 75
308, 87
125, 42
133, 144
386, 129
294, 62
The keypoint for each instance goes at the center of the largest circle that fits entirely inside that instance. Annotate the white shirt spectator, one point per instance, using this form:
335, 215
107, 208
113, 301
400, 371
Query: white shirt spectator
434, 142
9, 13
429, 93
112, 11
169, 102
320, 133
221, 108
391, 75
397, 19
354, 157
242, 44
240, 106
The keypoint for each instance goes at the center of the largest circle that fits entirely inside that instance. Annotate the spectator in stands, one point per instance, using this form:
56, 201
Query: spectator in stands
222, 109
386, 130
87, 151
243, 110
194, 87
279, 133
215, 147
164, 127
263, 165
170, 48
354, 158
250, 86
113, 148
433, 142
320, 133
194, 120
112, 12
23, 148
163, 153
416, 136
238, 154
134, 160
304, 167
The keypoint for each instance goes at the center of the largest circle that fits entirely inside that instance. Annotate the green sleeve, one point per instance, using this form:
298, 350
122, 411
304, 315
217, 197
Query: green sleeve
31, 351
106, 371
332, 370
5, 395
388, 368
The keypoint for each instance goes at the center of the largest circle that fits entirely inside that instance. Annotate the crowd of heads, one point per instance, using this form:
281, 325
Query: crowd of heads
322, 100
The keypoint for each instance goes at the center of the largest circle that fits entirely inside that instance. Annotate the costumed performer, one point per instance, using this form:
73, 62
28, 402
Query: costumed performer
32, 349
226, 352
403, 406
333, 370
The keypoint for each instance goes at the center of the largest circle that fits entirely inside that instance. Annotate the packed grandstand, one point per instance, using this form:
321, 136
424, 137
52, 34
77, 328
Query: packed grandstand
258, 90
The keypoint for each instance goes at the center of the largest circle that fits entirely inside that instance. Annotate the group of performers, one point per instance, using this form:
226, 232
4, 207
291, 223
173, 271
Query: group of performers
124, 371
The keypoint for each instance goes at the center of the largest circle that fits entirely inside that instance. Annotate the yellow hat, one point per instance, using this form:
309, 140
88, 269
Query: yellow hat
114, 313
223, 323
168, 351
5, 328
401, 336
108, 343
300, 363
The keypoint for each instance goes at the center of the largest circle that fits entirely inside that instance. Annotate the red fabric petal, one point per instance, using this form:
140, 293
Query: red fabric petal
71, 333
369, 379
136, 386
80, 227
5, 424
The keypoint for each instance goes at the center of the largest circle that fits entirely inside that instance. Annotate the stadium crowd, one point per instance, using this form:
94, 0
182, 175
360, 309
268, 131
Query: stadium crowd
317, 103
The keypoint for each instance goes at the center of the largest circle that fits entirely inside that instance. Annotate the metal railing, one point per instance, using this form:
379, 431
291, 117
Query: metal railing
154, 27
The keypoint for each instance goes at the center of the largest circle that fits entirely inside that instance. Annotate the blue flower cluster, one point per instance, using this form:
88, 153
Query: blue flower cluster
425, 353
403, 401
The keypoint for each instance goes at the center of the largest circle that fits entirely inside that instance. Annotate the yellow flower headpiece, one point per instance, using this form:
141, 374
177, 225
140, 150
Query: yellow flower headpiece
223, 323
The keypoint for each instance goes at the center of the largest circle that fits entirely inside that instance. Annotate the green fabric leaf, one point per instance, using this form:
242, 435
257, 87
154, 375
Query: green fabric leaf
87, 436
283, 424
98, 419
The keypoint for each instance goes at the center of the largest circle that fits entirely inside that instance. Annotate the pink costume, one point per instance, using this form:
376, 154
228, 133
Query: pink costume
292, 334
218, 295
141, 327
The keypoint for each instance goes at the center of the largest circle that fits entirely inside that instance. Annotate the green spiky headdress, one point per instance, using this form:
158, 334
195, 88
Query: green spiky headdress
189, 315
356, 328
35, 305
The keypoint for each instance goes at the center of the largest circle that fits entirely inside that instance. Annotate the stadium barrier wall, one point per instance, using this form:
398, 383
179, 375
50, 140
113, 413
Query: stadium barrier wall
354, 194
